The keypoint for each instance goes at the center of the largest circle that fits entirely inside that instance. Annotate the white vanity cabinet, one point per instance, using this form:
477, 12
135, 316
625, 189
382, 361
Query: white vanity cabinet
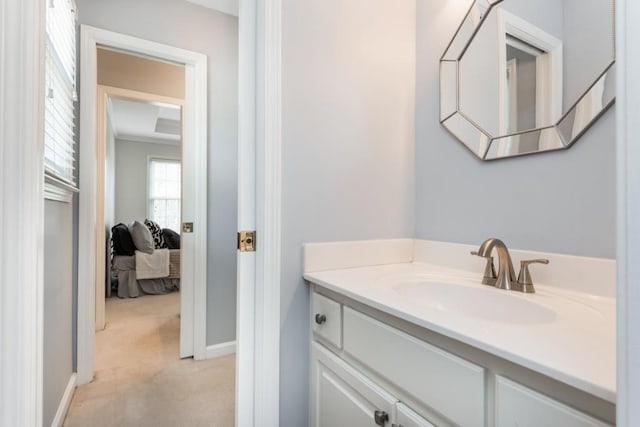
366, 372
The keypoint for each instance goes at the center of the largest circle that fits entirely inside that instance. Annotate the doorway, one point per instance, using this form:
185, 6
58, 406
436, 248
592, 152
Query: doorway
139, 108
93, 241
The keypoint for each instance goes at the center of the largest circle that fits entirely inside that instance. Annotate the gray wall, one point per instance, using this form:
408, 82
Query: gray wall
588, 44
347, 160
195, 28
131, 176
560, 202
58, 342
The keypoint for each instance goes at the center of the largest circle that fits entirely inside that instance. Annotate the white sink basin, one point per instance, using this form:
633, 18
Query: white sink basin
476, 301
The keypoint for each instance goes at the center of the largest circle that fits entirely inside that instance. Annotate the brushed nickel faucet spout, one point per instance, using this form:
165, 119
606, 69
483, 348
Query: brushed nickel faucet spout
506, 274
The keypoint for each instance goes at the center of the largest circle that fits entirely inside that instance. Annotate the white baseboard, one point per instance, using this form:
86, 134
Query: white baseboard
61, 413
222, 349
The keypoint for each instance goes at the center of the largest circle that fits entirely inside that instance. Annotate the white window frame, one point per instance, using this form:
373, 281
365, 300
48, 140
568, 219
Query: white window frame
171, 159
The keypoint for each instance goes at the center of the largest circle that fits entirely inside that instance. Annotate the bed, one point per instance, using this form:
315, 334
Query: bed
124, 269
126, 281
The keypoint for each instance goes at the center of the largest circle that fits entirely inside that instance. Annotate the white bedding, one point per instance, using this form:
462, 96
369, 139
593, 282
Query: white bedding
152, 266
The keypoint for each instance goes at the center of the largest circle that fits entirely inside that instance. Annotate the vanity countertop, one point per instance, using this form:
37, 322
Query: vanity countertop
571, 339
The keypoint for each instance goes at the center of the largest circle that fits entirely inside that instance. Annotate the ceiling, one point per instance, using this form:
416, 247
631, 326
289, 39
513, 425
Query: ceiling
144, 121
226, 6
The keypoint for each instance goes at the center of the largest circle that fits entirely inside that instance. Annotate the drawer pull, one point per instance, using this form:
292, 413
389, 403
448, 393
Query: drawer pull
380, 417
320, 318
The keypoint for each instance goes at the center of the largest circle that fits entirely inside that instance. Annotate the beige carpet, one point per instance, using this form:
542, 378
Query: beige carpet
140, 380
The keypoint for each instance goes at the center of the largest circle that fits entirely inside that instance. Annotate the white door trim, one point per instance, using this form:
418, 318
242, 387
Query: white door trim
628, 221
259, 183
21, 211
193, 328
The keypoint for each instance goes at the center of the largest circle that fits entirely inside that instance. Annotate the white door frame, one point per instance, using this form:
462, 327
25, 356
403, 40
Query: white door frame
259, 183
21, 211
628, 221
194, 208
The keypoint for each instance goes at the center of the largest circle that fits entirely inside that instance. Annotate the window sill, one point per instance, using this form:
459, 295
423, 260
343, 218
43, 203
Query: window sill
57, 189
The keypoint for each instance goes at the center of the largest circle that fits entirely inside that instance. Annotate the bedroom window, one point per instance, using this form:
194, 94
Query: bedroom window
164, 193
60, 81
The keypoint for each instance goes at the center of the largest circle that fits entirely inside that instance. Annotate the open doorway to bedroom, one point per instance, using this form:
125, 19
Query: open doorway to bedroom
143, 215
144, 328
140, 141
209, 216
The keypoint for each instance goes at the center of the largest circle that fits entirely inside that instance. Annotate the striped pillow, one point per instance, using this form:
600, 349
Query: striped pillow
156, 233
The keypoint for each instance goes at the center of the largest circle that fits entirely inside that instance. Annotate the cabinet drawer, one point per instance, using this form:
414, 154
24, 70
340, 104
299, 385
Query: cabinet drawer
446, 383
326, 318
407, 418
517, 405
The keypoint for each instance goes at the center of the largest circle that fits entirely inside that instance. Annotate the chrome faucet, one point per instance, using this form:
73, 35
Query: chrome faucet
506, 278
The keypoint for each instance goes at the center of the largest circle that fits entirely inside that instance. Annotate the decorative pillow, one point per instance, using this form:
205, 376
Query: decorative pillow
121, 240
141, 237
171, 238
156, 233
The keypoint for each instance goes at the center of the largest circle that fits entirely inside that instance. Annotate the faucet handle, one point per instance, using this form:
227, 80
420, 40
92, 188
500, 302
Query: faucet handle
525, 284
490, 275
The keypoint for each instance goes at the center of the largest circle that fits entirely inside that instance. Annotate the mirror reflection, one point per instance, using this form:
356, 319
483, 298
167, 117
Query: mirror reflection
523, 66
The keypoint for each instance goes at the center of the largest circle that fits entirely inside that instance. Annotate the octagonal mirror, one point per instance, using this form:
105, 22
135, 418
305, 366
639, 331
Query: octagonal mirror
522, 77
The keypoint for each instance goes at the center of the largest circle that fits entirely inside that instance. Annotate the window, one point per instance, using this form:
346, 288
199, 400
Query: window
164, 193
60, 81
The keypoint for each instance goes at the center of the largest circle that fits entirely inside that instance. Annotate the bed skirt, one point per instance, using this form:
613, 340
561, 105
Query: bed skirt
124, 267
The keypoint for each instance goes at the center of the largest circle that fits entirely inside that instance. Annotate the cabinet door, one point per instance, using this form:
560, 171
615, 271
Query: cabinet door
452, 386
517, 405
408, 418
341, 396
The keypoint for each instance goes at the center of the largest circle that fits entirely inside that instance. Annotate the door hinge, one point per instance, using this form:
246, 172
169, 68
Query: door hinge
247, 241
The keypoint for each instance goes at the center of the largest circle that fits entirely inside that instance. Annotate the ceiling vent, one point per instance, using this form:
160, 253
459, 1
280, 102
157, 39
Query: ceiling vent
168, 126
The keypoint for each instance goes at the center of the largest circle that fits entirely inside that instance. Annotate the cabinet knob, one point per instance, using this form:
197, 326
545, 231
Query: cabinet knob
320, 318
380, 417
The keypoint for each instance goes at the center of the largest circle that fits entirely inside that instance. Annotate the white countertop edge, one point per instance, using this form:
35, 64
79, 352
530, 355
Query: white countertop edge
580, 384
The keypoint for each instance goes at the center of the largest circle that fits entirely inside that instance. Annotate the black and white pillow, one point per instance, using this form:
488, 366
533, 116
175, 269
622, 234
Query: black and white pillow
156, 233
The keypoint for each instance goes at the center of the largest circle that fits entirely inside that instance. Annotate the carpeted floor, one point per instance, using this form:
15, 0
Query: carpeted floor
140, 380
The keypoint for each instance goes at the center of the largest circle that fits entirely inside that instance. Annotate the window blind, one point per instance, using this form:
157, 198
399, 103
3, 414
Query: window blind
60, 81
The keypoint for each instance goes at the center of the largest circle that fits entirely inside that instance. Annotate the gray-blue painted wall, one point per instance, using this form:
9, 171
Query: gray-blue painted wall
58, 301
557, 202
347, 155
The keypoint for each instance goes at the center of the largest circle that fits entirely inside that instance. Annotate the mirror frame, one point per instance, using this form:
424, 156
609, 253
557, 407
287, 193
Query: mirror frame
559, 136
